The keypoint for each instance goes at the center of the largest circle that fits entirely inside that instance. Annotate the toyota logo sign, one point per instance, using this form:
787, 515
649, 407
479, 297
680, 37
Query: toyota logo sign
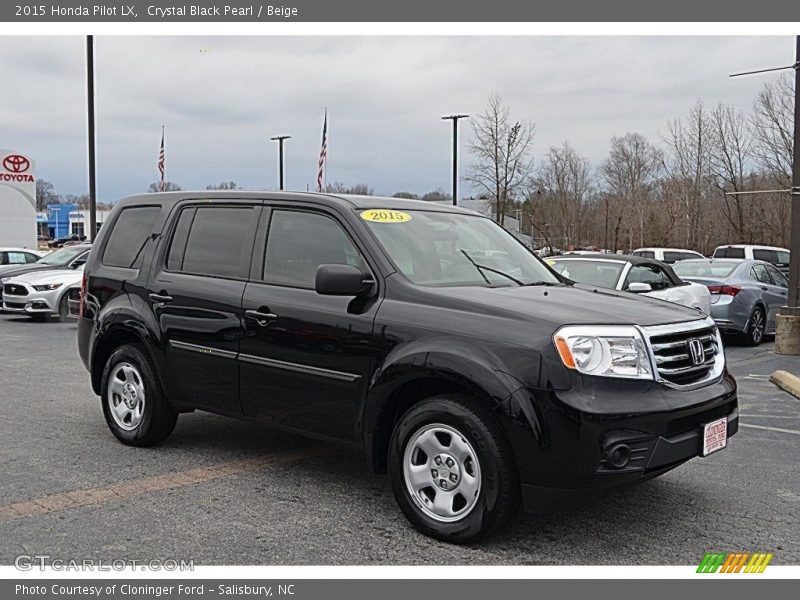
16, 163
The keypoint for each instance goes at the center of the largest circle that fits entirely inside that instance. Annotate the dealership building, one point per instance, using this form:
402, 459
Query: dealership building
62, 220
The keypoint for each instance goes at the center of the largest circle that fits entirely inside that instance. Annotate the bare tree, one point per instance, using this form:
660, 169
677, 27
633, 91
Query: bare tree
773, 122
45, 194
169, 186
730, 156
224, 185
501, 148
688, 167
630, 172
564, 178
359, 189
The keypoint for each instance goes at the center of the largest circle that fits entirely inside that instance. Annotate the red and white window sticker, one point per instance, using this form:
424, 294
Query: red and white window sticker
715, 436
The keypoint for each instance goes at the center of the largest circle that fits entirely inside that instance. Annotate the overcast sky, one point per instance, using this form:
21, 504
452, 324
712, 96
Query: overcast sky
221, 98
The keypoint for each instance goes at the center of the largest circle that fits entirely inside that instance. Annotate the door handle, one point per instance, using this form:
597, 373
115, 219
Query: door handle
161, 298
262, 318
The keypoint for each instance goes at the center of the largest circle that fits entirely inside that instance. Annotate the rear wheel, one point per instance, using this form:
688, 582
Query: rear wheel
756, 326
135, 408
452, 469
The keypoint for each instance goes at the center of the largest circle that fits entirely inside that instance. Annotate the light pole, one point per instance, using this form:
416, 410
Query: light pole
455, 119
90, 133
279, 139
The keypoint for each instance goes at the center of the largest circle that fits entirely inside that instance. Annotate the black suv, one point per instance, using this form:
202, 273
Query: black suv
462, 364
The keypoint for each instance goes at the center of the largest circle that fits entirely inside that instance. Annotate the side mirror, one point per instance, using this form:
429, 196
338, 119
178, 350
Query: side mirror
637, 287
341, 280
77, 264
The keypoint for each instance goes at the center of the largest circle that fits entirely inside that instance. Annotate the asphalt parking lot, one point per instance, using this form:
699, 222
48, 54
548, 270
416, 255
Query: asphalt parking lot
219, 491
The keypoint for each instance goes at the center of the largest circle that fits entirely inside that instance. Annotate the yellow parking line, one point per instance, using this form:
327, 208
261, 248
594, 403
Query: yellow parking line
135, 487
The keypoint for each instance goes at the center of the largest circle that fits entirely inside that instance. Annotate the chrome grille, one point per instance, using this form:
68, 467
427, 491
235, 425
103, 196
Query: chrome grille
12, 289
675, 360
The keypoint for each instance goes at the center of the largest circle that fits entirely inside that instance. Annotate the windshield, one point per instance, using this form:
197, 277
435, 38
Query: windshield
705, 268
601, 273
447, 249
61, 257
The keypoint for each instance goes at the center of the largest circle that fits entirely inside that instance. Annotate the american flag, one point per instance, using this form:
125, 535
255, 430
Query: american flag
323, 153
162, 184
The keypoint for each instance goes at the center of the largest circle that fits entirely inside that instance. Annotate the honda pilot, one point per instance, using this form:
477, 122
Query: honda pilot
426, 335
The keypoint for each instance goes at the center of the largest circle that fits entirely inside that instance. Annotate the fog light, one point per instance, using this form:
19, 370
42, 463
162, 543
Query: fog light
618, 456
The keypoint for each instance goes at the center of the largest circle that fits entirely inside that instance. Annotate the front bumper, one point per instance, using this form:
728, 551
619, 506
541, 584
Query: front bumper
565, 446
32, 303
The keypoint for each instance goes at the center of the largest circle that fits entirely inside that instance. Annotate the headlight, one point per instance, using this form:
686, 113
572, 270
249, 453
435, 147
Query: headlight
604, 350
3, 280
47, 287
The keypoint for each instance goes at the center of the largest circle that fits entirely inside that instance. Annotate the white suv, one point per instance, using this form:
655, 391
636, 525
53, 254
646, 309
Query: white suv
667, 255
771, 254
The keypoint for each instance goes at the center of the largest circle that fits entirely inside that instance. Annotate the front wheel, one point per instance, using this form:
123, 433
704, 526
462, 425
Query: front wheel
452, 469
135, 408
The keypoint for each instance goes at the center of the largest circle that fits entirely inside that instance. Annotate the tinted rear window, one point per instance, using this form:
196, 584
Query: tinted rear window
644, 253
216, 240
729, 253
769, 256
131, 230
671, 257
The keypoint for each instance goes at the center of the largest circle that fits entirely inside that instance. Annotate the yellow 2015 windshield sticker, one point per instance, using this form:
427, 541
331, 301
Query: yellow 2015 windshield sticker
383, 215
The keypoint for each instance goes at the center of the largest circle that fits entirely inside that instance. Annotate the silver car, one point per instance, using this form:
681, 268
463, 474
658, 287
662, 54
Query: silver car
745, 294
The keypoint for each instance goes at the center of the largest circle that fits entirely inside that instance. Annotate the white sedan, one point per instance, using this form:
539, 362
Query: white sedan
633, 274
40, 294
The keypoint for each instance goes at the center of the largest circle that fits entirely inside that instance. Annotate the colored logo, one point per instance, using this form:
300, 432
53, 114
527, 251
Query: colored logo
16, 163
734, 562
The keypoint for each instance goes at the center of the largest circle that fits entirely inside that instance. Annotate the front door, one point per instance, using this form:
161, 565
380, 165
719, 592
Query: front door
305, 359
196, 294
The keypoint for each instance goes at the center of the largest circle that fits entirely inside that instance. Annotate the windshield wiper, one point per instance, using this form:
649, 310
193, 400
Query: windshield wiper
482, 268
545, 283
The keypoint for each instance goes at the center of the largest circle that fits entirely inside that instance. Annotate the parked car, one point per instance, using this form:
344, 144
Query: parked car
18, 256
667, 256
633, 274
745, 294
771, 254
68, 239
64, 258
42, 294
376, 322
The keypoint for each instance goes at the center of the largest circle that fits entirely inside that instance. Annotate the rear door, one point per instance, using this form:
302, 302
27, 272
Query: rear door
306, 359
770, 292
196, 294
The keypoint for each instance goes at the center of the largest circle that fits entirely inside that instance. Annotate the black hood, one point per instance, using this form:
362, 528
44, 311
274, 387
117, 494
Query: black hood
567, 304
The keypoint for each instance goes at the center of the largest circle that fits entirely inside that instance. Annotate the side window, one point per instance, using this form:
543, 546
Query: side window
31, 258
759, 273
769, 256
783, 258
650, 274
778, 278
129, 236
17, 258
671, 257
644, 253
211, 240
299, 242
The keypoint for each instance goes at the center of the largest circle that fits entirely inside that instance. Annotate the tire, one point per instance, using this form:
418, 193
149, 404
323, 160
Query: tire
484, 470
756, 326
147, 417
63, 308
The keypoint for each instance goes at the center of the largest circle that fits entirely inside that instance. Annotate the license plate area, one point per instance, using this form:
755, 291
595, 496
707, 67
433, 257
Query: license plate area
715, 436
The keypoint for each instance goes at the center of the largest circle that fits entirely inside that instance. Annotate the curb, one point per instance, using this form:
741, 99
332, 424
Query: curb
787, 382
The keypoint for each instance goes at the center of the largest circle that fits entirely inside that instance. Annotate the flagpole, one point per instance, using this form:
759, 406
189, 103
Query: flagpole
91, 134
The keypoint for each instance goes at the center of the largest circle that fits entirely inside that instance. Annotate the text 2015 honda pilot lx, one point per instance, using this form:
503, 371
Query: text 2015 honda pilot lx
425, 334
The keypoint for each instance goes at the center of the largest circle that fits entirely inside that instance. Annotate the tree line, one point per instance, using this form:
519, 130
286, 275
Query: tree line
716, 175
